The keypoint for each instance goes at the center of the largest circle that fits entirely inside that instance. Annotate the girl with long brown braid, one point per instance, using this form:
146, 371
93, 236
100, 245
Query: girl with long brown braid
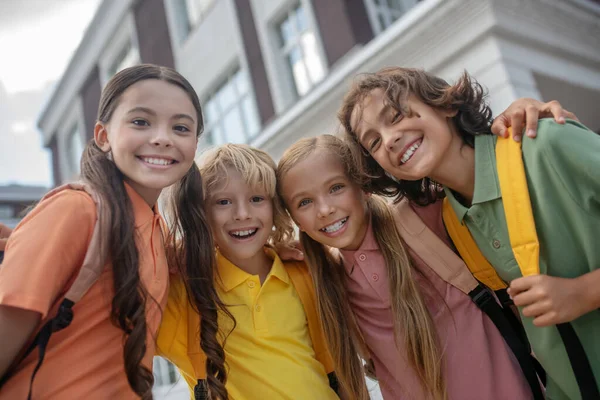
149, 122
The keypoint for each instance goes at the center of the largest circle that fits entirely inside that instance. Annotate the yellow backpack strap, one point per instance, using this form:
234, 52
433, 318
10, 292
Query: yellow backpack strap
506, 322
298, 273
517, 206
468, 250
525, 246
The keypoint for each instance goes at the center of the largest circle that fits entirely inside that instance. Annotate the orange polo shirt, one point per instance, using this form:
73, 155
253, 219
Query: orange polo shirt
43, 255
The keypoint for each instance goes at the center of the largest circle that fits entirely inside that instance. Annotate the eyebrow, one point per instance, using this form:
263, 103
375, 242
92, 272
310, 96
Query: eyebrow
327, 182
380, 116
153, 113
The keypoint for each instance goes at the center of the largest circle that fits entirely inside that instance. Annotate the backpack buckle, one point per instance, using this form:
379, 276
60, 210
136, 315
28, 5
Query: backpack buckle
64, 317
481, 296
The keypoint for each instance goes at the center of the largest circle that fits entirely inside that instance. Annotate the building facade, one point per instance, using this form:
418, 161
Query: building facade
269, 72
15, 200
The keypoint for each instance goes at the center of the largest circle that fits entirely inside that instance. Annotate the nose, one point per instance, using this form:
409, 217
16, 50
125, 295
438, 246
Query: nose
242, 212
161, 137
391, 138
324, 209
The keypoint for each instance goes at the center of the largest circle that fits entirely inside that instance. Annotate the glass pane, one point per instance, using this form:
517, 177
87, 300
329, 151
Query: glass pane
299, 72
211, 111
241, 82
311, 57
382, 21
76, 146
226, 96
301, 19
216, 136
286, 32
395, 5
295, 55
233, 127
172, 374
183, 23
250, 116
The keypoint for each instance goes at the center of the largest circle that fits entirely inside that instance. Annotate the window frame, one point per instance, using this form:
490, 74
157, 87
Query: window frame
125, 36
288, 88
223, 81
374, 10
177, 10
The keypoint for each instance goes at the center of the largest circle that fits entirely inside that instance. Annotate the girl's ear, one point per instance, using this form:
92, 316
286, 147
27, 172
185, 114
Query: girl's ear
101, 137
450, 113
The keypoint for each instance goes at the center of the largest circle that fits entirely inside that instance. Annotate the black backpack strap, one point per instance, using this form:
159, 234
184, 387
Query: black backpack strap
201, 390
518, 327
484, 299
579, 362
62, 319
334, 383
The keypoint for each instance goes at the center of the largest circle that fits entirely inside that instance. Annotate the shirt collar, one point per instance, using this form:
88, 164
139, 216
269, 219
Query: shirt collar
369, 243
232, 276
487, 186
142, 212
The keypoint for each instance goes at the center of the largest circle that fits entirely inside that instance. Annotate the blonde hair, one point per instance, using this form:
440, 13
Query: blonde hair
412, 320
258, 171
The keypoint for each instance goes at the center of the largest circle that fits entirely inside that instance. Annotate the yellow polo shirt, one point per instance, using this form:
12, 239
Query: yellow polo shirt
269, 354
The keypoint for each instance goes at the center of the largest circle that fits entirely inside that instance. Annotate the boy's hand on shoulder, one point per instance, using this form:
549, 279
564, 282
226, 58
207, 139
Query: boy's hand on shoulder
525, 113
550, 300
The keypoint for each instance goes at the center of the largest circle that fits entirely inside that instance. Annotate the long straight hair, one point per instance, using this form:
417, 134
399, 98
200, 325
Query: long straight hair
413, 326
189, 241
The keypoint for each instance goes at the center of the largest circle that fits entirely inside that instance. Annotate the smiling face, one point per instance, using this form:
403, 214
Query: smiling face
240, 216
151, 136
323, 201
408, 147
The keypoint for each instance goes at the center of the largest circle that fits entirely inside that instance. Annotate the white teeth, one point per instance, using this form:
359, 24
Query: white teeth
408, 154
243, 234
157, 161
335, 227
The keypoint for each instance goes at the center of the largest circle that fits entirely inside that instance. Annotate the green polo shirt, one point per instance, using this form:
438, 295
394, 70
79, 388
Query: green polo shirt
562, 166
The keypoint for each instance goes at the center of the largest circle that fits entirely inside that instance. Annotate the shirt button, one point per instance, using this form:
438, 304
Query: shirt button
258, 308
362, 257
496, 243
375, 277
251, 284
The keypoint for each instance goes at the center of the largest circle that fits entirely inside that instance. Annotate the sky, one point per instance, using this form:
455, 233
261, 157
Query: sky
37, 40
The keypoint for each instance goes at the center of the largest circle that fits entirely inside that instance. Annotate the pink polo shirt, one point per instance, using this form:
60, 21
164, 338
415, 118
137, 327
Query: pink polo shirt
478, 363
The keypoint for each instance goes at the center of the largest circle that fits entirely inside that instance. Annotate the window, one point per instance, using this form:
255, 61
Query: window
383, 13
165, 373
299, 48
121, 51
128, 56
75, 148
230, 112
6, 211
189, 15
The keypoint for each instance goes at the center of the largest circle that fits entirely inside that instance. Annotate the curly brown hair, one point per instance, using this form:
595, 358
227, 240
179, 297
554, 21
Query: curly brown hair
466, 97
